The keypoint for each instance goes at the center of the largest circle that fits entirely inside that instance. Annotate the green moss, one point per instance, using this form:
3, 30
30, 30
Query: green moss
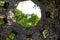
7, 39
24, 20
28, 38
52, 15
1, 3
1, 21
11, 36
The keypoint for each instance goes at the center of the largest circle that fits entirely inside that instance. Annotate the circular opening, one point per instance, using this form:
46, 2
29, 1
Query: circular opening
27, 14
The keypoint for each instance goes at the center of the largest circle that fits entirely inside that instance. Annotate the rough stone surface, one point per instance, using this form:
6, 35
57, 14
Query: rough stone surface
52, 25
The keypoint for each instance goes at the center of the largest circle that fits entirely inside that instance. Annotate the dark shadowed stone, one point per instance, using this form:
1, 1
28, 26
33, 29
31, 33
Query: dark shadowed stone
47, 14
37, 36
6, 4
39, 0
2, 37
16, 30
30, 31
5, 20
58, 2
58, 37
1, 28
20, 37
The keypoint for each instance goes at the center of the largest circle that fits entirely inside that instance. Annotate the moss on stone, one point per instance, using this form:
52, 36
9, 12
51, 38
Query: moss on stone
1, 21
11, 36
2, 3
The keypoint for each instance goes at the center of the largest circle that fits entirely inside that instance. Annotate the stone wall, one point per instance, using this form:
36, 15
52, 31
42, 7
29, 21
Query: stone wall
47, 22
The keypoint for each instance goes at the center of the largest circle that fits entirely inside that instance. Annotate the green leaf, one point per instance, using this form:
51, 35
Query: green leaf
45, 33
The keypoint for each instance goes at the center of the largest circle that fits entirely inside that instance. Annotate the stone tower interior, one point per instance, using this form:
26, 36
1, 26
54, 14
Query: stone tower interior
48, 28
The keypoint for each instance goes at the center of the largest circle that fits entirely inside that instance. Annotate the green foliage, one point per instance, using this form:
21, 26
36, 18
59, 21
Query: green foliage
8, 39
28, 38
45, 33
1, 3
24, 20
52, 15
1, 21
11, 36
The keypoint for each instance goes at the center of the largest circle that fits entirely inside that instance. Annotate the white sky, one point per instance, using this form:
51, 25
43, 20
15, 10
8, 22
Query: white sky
28, 7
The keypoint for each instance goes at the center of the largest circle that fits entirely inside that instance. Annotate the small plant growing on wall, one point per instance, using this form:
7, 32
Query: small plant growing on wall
11, 36
45, 33
2, 3
1, 21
